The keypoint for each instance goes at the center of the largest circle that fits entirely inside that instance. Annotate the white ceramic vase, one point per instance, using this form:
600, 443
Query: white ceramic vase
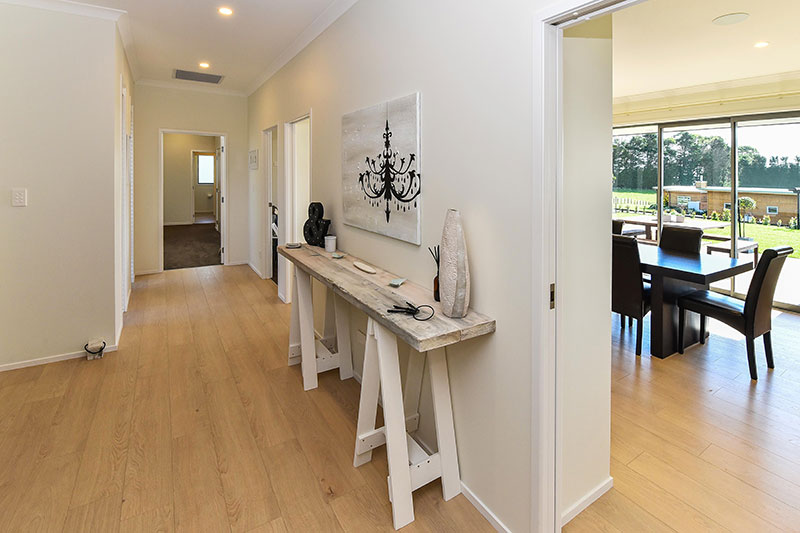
454, 283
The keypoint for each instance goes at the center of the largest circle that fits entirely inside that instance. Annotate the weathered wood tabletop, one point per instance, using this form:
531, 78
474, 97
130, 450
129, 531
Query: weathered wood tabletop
372, 294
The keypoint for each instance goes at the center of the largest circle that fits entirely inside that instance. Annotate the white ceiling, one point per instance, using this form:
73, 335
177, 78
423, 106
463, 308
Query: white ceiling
162, 35
661, 45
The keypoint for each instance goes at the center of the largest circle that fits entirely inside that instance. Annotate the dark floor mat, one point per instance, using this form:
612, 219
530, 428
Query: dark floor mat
191, 246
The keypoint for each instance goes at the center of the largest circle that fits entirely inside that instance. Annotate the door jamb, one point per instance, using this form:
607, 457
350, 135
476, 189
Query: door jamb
548, 164
223, 189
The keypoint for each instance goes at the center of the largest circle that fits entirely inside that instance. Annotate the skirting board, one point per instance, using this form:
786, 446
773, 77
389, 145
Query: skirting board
260, 275
586, 501
483, 509
50, 359
148, 272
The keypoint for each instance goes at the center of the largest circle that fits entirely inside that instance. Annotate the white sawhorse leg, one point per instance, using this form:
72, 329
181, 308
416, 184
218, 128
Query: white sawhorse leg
410, 467
314, 355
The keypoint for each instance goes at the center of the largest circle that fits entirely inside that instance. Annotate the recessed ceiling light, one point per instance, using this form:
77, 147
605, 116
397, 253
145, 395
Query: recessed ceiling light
204, 65
761, 44
225, 11
730, 18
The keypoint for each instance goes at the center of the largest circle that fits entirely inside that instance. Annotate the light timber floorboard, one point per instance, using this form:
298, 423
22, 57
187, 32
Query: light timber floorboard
196, 424
695, 444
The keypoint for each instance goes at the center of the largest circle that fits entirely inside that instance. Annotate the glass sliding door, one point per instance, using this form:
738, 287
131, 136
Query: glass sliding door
635, 173
769, 172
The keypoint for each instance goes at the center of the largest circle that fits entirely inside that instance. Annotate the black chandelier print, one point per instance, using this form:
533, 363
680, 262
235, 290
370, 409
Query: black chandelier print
386, 181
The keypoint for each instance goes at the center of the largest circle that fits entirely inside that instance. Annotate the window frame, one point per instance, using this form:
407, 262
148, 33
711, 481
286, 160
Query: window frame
197, 156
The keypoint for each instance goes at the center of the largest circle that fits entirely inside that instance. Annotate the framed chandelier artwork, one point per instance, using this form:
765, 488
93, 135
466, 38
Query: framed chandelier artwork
381, 180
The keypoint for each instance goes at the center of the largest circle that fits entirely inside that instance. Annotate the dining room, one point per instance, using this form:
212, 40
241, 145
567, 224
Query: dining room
704, 238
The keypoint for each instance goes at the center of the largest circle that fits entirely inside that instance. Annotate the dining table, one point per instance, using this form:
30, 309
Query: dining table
673, 275
650, 224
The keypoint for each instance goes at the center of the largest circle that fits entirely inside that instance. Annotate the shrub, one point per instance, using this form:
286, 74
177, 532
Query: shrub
793, 223
780, 223
766, 220
726, 215
714, 215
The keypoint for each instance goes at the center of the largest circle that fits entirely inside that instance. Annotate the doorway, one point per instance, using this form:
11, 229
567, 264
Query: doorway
297, 193
193, 184
271, 222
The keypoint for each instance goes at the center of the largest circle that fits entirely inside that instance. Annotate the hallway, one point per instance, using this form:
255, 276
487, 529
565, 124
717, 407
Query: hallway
196, 424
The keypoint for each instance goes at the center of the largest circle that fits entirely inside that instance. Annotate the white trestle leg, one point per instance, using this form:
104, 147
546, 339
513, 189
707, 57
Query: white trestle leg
315, 356
410, 467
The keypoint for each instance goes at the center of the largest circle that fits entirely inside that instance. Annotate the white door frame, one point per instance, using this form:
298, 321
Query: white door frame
547, 211
223, 180
267, 163
196, 173
123, 226
286, 231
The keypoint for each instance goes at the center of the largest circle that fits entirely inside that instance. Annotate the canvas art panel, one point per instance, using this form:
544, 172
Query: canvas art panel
369, 168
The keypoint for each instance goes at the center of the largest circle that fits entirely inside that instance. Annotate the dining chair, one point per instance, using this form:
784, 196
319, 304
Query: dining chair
684, 240
616, 227
630, 297
752, 318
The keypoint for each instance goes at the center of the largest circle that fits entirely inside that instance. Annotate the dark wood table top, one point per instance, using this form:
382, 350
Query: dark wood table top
703, 269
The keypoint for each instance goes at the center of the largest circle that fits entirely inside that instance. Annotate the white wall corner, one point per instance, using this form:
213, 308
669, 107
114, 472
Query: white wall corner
257, 271
483, 509
314, 30
578, 507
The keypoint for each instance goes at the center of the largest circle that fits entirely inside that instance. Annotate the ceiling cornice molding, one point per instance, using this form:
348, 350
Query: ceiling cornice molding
189, 86
125, 33
73, 8
742, 83
314, 30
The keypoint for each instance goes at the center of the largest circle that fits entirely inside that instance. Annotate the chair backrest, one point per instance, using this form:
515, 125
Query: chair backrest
627, 289
678, 239
616, 227
758, 304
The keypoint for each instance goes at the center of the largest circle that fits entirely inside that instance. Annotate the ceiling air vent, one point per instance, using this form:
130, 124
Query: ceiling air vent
197, 76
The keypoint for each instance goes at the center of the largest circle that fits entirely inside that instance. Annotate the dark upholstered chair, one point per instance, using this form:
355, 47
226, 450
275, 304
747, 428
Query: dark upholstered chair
616, 227
629, 295
752, 318
683, 240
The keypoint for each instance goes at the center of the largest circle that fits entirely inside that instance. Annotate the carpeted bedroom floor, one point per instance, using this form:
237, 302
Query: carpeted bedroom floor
191, 246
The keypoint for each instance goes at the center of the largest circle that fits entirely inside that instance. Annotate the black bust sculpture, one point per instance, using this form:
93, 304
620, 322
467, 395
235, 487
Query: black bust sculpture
316, 228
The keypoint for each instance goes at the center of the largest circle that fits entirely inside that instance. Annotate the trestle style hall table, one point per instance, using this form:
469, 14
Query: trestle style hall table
410, 466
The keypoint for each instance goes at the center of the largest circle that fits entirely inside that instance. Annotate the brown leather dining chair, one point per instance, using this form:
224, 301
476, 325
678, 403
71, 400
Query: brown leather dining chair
682, 240
752, 318
629, 295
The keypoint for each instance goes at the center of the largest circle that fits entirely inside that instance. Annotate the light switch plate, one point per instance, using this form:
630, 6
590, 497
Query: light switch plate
19, 197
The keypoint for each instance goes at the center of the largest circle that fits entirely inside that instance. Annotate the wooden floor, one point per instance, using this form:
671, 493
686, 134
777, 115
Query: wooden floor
195, 424
697, 446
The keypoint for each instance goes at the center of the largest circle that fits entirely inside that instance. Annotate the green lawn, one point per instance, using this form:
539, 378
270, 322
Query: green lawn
636, 194
767, 236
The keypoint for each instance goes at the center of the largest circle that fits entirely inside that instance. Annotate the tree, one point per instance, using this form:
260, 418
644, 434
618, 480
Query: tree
746, 204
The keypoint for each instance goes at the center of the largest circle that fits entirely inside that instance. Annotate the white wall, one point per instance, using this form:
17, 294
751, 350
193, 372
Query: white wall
57, 266
180, 180
159, 107
584, 275
472, 67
